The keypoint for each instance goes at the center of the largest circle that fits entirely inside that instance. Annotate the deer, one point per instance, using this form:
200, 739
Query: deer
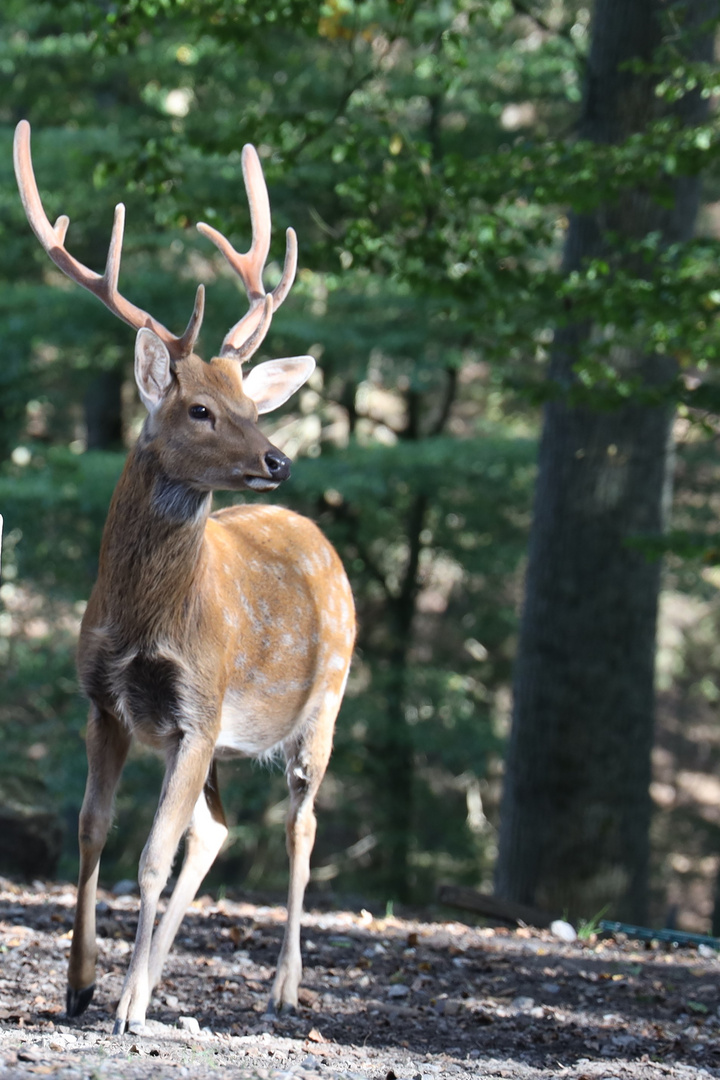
206, 635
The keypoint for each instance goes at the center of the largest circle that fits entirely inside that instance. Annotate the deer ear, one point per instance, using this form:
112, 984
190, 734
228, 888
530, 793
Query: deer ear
270, 384
152, 368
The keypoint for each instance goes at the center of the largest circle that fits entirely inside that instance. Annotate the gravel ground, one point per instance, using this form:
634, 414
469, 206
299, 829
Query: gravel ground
382, 999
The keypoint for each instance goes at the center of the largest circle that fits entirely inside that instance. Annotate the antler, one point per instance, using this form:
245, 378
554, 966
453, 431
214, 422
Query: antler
246, 336
104, 286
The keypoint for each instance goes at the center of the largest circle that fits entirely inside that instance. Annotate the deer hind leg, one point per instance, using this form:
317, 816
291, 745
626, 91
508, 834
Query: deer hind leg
187, 770
306, 765
206, 835
108, 742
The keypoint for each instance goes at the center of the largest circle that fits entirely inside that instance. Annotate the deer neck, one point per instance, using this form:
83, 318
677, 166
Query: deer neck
153, 547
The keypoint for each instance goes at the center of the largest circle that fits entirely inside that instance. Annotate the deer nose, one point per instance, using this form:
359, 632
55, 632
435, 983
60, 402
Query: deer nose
277, 464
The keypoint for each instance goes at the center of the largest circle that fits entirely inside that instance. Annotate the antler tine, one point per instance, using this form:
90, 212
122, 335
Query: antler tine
61, 227
246, 336
104, 286
186, 343
259, 202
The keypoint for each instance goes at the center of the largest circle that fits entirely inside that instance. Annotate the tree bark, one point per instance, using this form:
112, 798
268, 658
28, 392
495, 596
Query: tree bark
576, 808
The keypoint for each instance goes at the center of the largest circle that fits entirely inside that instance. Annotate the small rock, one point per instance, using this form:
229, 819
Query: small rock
550, 988
626, 1042
563, 930
707, 951
310, 1062
374, 950
398, 991
523, 1004
189, 1024
126, 887
29, 1053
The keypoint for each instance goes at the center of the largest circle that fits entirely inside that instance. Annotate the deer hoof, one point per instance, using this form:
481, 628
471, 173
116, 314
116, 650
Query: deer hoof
77, 1001
280, 1008
119, 1027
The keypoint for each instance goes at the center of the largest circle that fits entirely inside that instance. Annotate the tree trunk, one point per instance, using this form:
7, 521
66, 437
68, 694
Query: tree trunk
576, 809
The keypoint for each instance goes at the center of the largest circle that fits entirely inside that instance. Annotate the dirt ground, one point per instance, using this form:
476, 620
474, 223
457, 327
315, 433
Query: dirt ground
382, 999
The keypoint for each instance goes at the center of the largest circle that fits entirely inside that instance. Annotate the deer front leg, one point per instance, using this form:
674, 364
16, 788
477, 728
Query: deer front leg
305, 770
186, 772
205, 837
108, 742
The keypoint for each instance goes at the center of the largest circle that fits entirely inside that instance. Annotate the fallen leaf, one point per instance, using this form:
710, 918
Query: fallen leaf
307, 997
315, 1036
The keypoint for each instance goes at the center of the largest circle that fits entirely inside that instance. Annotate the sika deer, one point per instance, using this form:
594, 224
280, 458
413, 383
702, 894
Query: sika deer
206, 634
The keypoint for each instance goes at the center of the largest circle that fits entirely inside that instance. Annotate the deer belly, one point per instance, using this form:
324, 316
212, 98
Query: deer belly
255, 725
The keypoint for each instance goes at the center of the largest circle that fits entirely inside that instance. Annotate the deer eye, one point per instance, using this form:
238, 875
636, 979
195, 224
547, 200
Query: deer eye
199, 412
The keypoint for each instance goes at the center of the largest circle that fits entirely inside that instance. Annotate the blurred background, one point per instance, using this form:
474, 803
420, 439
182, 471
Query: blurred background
508, 214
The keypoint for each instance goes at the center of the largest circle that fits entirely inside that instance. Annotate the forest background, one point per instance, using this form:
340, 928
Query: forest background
431, 158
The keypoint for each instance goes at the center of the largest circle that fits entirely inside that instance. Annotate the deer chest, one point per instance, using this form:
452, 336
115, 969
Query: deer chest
142, 689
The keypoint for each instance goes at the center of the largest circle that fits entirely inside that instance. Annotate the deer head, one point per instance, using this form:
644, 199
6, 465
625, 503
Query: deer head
202, 416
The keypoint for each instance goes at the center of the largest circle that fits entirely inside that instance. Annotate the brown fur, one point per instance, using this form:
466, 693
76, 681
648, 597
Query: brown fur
205, 636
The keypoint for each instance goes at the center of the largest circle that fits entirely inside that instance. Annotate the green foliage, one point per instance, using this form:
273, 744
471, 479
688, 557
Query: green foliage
587, 928
426, 155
